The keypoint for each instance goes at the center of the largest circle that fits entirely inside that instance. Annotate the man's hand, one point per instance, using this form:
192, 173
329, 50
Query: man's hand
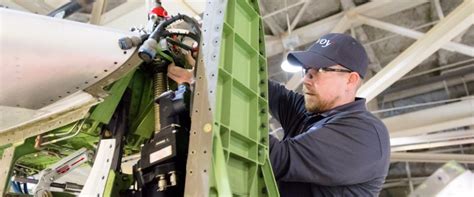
181, 75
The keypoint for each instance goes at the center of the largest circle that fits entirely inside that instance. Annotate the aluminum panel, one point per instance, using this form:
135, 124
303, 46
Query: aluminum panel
44, 59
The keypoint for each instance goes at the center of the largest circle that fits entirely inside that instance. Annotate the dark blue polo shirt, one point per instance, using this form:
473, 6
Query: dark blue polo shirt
341, 152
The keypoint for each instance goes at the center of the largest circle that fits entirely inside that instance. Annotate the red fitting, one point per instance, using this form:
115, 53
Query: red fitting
159, 11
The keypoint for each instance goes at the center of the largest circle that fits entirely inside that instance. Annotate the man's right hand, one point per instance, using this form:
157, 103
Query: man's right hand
181, 75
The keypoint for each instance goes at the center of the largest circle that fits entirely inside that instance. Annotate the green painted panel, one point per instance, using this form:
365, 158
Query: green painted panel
242, 107
245, 63
242, 174
104, 111
226, 48
246, 22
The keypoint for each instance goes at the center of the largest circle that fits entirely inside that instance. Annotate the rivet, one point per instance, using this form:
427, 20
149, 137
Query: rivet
207, 128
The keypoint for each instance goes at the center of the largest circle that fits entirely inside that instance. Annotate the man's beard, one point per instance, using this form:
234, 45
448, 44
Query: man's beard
316, 105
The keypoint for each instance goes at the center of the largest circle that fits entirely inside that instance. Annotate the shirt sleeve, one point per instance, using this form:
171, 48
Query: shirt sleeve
338, 153
286, 106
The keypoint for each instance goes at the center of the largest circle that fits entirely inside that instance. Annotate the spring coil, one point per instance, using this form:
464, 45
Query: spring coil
160, 86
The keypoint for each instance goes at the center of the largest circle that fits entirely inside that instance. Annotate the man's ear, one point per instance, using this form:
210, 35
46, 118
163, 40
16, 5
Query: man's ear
353, 80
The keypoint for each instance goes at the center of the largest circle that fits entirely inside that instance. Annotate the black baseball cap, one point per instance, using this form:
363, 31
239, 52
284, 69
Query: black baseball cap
332, 49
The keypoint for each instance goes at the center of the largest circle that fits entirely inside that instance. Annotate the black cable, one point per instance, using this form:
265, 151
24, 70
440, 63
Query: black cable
147, 51
158, 32
191, 35
186, 47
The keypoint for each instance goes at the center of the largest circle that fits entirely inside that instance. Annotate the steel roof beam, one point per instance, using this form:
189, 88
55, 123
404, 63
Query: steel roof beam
97, 10
432, 145
439, 118
336, 23
450, 46
457, 21
311, 32
431, 157
444, 136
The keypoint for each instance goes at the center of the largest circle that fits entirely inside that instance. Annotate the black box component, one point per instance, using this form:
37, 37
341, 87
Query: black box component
162, 167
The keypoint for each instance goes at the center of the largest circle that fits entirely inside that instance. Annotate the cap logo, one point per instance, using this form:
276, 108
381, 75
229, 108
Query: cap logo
324, 42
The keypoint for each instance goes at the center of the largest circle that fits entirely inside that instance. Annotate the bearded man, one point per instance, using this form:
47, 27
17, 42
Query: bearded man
332, 146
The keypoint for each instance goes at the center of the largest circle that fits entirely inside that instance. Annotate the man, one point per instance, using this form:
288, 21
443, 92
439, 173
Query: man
332, 146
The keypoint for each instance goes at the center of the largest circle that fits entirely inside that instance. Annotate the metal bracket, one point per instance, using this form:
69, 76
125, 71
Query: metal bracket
5, 164
46, 123
95, 184
201, 136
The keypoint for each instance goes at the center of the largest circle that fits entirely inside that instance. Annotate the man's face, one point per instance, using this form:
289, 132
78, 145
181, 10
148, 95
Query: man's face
323, 90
